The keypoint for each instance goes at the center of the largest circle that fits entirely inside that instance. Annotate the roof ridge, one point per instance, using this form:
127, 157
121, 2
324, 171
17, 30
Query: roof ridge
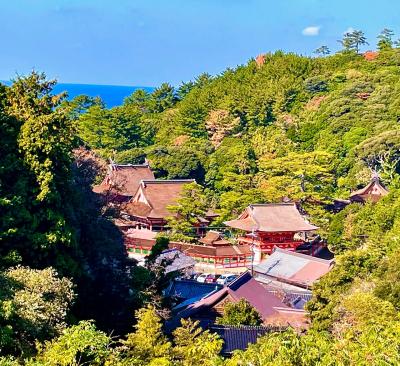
192, 245
301, 255
257, 226
246, 273
243, 327
161, 181
274, 204
131, 165
288, 309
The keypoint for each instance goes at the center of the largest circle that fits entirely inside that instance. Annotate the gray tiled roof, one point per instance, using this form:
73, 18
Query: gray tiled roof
239, 337
295, 268
175, 260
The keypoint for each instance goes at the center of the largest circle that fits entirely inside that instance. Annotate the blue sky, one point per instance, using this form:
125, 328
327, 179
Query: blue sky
130, 42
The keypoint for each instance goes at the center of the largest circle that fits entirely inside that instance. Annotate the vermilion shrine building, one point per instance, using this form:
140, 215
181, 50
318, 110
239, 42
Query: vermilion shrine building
141, 199
143, 204
267, 226
213, 252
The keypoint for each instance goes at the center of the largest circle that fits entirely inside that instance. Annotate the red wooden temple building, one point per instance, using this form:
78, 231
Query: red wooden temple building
148, 208
218, 252
214, 251
141, 199
267, 226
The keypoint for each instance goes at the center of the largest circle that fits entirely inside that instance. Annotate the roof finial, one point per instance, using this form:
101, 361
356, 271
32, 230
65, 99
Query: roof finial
112, 163
374, 175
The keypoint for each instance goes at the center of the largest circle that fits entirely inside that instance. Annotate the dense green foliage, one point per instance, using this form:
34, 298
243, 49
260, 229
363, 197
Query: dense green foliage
240, 313
147, 345
35, 176
309, 129
191, 206
306, 129
59, 258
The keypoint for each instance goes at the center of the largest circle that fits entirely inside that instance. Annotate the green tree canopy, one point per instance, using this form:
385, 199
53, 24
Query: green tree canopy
189, 208
353, 40
34, 307
385, 39
240, 313
322, 51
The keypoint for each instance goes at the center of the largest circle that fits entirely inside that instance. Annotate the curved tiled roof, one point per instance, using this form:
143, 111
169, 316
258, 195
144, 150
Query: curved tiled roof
175, 260
214, 238
141, 234
213, 251
148, 238
124, 179
139, 209
271, 217
157, 195
373, 190
239, 337
270, 307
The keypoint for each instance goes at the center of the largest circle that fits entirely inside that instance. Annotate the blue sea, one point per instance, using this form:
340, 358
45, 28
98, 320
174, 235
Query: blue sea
112, 95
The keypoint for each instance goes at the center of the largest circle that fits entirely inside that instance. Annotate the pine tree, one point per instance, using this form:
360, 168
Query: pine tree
322, 51
353, 40
385, 39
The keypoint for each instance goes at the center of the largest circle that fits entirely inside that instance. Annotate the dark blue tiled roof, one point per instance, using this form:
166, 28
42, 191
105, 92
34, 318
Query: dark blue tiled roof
240, 281
239, 337
185, 289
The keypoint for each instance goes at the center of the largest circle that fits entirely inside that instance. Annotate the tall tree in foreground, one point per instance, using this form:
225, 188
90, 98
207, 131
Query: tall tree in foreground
42, 146
147, 344
34, 307
195, 347
14, 217
81, 344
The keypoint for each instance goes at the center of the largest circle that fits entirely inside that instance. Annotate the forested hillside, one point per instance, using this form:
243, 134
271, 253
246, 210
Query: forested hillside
307, 129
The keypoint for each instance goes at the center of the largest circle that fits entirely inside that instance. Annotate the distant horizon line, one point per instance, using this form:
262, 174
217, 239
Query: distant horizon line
116, 85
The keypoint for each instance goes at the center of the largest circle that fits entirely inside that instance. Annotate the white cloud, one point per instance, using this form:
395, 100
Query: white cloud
312, 30
349, 30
